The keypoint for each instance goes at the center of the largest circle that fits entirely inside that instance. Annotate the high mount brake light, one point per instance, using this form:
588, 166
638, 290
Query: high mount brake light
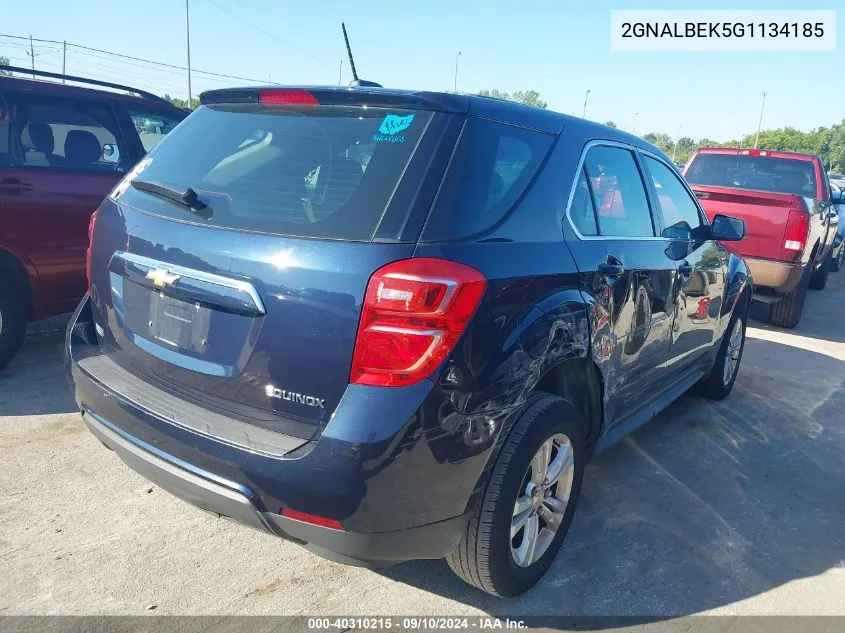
414, 312
286, 97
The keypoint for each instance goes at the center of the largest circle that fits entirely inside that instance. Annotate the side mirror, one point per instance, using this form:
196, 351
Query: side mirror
837, 196
727, 229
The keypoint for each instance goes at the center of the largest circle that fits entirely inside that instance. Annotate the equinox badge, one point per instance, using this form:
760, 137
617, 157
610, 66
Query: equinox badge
301, 398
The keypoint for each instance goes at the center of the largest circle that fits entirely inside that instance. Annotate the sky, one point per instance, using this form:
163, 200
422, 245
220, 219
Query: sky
561, 49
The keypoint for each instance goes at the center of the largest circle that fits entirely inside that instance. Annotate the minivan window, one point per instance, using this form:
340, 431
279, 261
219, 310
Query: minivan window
152, 126
321, 172
618, 192
61, 133
492, 166
678, 207
763, 173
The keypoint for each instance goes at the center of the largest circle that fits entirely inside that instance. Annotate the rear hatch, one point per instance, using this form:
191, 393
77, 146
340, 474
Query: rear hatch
230, 266
761, 190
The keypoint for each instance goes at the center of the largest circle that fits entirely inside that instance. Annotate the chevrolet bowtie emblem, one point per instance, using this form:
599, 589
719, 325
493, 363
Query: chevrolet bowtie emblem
162, 278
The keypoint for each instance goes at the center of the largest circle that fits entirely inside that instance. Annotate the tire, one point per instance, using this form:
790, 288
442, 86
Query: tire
486, 557
787, 312
12, 323
836, 262
721, 380
818, 280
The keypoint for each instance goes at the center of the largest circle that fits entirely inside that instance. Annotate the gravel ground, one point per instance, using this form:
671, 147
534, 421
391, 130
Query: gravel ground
733, 508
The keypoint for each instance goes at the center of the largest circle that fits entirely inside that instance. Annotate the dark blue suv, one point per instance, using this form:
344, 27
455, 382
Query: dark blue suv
395, 325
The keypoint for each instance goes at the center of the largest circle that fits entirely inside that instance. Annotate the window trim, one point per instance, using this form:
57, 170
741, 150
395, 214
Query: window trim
702, 216
16, 149
11, 139
656, 220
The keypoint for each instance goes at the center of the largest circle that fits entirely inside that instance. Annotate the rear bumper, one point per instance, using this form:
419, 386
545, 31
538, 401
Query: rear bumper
403, 495
230, 500
778, 276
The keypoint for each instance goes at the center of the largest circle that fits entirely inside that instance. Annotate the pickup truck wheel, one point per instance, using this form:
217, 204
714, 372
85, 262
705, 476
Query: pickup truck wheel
819, 278
835, 262
519, 524
787, 311
12, 323
721, 380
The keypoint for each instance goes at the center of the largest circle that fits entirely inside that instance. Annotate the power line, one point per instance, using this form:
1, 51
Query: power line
137, 59
269, 34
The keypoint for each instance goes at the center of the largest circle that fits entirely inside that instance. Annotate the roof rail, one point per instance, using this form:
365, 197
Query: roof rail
95, 82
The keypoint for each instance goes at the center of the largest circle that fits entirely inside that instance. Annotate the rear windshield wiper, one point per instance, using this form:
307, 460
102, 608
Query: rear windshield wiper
184, 196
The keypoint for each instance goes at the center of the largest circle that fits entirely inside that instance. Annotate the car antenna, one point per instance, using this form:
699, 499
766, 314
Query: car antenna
356, 83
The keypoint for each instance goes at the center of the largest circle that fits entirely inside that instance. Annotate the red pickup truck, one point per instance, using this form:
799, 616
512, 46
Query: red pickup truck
785, 200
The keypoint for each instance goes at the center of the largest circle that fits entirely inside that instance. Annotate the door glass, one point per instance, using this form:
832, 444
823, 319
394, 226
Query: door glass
618, 193
680, 212
152, 126
60, 133
582, 212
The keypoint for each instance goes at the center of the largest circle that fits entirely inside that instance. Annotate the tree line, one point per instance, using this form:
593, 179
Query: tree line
827, 142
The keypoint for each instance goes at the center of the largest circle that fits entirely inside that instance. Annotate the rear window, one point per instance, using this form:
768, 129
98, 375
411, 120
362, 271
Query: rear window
323, 172
763, 173
491, 168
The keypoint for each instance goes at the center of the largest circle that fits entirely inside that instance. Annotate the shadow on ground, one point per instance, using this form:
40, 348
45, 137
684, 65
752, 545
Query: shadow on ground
820, 310
708, 504
34, 383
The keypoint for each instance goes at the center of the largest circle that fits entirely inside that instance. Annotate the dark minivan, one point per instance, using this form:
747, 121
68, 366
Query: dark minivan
394, 325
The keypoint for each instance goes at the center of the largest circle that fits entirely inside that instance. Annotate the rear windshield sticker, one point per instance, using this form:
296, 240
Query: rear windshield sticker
390, 128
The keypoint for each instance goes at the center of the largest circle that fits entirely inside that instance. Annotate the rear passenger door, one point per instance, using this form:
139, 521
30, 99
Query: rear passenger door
68, 153
700, 267
626, 273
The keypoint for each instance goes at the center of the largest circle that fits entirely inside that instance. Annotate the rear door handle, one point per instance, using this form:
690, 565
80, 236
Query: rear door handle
13, 185
611, 269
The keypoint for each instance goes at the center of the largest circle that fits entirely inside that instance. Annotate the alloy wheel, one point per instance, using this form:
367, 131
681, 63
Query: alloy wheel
542, 501
733, 352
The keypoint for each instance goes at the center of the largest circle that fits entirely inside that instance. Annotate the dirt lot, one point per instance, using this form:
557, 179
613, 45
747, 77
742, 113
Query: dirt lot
735, 508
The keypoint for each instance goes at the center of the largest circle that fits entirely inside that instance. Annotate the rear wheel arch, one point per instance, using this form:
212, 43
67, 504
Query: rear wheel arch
14, 269
579, 381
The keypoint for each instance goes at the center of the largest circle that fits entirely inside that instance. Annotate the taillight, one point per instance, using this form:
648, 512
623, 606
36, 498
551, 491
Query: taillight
286, 97
754, 152
91, 224
313, 519
795, 235
414, 312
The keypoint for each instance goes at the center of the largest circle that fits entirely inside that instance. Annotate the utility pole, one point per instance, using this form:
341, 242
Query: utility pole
32, 53
188, 44
584, 110
64, 59
456, 71
760, 122
340, 72
634, 124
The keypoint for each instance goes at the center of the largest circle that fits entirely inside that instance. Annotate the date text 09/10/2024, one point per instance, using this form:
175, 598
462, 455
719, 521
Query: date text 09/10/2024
413, 623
